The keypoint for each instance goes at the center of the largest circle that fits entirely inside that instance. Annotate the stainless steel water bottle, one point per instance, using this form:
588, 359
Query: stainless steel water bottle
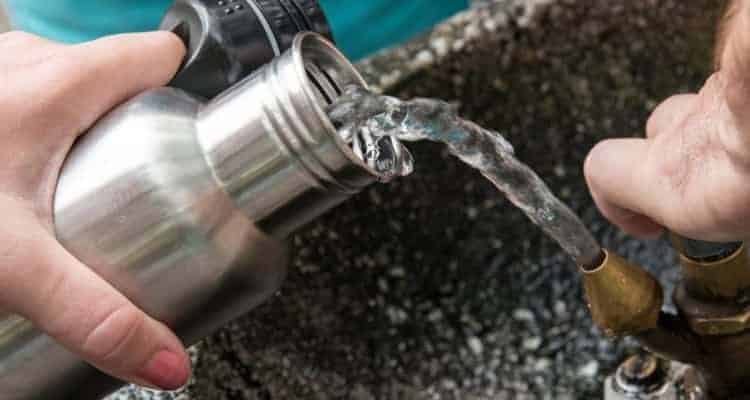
183, 205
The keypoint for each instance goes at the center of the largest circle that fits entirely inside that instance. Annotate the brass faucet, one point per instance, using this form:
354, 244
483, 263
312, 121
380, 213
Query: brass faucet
710, 331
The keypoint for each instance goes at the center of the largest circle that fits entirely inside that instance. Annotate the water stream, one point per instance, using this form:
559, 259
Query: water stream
376, 126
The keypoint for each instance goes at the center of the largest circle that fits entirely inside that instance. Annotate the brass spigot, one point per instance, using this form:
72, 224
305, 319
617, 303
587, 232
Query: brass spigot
624, 299
713, 293
711, 330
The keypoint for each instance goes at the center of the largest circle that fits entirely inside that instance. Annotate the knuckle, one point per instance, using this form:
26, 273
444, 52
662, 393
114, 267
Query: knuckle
10, 254
19, 37
62, 74
652, 122
22, 49
652, 129
115, 335
62, 66
20, 269
666, 114
591, 164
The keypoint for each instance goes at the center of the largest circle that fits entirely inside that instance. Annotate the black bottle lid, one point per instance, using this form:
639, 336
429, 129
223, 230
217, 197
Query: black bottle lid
227, 40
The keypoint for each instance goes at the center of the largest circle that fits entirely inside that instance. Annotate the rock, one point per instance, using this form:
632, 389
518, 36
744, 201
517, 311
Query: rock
532, 343
476, 345
523, 314
589, 370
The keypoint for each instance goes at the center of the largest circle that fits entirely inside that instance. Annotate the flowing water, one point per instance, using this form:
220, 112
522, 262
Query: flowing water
377, 125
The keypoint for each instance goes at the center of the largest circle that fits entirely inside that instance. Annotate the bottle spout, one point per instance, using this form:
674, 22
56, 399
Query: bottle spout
272, 145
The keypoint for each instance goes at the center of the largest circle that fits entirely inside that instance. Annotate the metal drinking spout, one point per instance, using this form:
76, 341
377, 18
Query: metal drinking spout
624, 299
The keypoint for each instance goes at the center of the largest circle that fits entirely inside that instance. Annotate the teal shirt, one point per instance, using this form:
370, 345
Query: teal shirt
359, 26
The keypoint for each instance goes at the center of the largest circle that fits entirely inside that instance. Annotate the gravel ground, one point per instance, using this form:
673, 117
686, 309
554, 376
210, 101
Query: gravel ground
434, 287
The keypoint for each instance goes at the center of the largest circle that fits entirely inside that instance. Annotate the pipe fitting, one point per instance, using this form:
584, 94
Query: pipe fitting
642, 374
723, 279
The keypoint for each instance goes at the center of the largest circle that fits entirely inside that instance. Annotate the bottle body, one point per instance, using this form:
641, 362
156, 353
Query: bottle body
183, 206
147, 215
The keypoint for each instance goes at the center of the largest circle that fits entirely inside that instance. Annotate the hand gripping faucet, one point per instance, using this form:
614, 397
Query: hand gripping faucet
702, 351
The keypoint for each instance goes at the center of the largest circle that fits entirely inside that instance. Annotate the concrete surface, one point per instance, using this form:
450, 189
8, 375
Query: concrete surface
434, 287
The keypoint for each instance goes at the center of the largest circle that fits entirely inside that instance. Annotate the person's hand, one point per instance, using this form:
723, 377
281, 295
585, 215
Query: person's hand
51, 93
692, 173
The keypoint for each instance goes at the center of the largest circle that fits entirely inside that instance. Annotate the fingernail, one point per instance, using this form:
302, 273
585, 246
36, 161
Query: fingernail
166, 370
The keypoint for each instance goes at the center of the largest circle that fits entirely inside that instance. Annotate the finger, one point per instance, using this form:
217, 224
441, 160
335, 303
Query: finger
619, 189
67, 88
85, 314
20, 41
116, 68
668, 115
734, 61
74, 86
632, 223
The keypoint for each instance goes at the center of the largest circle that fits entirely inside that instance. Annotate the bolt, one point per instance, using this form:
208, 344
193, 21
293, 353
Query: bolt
641, 374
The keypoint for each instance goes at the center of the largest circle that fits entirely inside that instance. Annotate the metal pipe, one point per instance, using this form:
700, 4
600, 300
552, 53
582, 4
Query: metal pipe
182, 206
672, 339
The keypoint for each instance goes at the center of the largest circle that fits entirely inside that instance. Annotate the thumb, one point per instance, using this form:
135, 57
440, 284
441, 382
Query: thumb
624, 198
104, 73
57, 92
81, 311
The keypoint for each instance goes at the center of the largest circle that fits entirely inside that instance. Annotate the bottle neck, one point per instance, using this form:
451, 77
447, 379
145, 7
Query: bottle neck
272, 146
